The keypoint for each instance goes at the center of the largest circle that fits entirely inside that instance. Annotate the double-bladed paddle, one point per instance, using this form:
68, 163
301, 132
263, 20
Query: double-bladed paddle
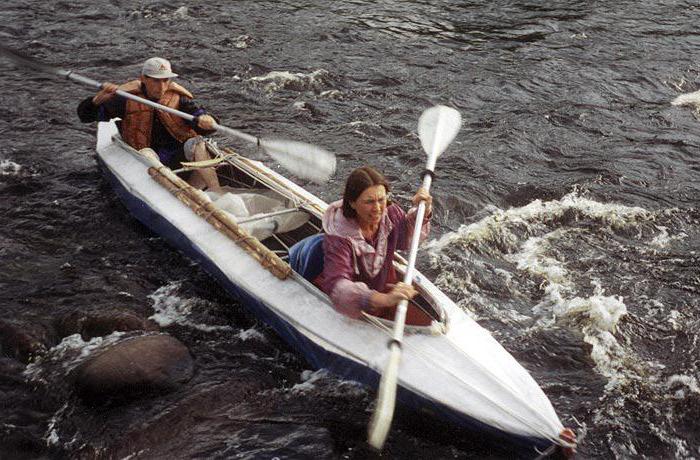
304, 160
437, 127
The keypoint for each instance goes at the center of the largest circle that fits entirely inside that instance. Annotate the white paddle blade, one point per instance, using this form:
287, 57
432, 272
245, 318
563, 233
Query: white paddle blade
437, 127
303, 160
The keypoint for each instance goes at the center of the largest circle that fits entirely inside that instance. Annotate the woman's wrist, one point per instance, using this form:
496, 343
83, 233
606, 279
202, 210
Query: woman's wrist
377, 300
374, 300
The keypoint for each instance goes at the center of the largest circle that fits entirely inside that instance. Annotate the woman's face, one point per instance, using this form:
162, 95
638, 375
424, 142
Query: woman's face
370, 205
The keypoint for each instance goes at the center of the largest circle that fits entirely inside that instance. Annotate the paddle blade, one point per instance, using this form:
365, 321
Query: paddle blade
437, 127
303, 160
30, 63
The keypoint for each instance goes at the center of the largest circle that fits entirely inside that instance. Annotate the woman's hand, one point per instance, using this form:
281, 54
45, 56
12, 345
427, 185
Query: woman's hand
423, 195
105, 94
398, 292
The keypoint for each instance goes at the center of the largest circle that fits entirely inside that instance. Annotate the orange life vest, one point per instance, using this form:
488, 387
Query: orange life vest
138, 118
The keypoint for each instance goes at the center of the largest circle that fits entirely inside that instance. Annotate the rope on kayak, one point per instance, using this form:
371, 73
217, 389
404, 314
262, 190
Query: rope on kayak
201, 205
546, 453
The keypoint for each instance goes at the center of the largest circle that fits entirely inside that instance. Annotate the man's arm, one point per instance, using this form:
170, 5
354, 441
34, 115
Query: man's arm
89, 111
204, 122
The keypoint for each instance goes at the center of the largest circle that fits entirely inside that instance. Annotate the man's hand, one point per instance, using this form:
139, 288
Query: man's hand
105, 94
206, 122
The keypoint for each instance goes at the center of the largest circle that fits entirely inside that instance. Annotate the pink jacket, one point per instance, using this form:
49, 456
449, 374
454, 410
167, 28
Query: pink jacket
353, 267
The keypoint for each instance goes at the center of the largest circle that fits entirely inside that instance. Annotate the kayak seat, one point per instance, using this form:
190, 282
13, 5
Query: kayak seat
306, 257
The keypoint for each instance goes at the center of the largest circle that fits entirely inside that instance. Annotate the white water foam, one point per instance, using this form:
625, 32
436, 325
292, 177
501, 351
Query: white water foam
172, 309
251, 334
537, 212
51, 437
663, 239
70, 352
603, 312
277, 80
52, 368
308, 380
597, 315
313, 380
688, 100
10, 168
532, 238
533, 258
527, 232
687, 383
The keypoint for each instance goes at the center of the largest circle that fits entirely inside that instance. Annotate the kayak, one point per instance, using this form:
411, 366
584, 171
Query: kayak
243, 236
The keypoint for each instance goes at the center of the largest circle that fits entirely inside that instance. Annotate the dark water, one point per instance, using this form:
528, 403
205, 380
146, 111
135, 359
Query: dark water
567, 213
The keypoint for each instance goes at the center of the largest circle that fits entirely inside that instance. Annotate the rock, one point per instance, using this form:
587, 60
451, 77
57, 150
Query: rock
133, 368
24, 340
100, 324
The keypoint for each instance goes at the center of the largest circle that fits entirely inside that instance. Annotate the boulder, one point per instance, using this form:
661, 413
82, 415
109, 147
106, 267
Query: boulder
100, 324
133, 368
23, 340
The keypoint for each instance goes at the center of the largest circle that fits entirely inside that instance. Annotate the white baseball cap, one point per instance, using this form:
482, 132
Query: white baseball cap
157, 67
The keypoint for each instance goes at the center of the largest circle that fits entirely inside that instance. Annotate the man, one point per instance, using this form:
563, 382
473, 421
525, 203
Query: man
174, 139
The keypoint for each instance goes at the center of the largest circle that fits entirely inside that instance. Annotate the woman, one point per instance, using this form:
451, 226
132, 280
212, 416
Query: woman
363, 230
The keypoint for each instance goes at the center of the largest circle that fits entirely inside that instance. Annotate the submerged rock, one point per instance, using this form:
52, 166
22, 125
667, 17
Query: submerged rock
100, 324
134, 368
23, 340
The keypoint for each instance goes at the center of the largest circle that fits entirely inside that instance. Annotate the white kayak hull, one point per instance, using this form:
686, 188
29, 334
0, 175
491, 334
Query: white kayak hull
463, 375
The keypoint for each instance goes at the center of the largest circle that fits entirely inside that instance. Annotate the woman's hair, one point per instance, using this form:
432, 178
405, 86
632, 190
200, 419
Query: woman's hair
358, 181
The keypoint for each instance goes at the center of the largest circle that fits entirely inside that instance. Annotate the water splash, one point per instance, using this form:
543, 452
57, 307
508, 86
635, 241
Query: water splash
504, 229
171, 309
10, 168
66, 356
275, 81
329, 385
581, 265
688, 100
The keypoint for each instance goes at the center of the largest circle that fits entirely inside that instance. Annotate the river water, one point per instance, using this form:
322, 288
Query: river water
566, 214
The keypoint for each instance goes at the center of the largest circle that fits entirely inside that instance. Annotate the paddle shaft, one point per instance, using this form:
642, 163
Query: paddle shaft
400, 318
384, 412
224, 129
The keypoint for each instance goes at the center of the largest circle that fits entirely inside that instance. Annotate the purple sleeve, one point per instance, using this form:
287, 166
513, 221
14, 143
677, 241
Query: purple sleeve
405, 222
349, 297
187, 105
113, 108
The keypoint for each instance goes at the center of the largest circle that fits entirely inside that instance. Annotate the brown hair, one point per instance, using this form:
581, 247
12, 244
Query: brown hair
358, 181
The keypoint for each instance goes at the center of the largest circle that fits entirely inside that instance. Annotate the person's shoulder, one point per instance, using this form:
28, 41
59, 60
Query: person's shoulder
336, 242
180, 90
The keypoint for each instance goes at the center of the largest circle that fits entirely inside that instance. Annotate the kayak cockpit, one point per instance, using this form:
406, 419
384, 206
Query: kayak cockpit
424, 313
255, 205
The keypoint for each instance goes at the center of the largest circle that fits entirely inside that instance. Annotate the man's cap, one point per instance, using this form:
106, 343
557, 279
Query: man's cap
157, 67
